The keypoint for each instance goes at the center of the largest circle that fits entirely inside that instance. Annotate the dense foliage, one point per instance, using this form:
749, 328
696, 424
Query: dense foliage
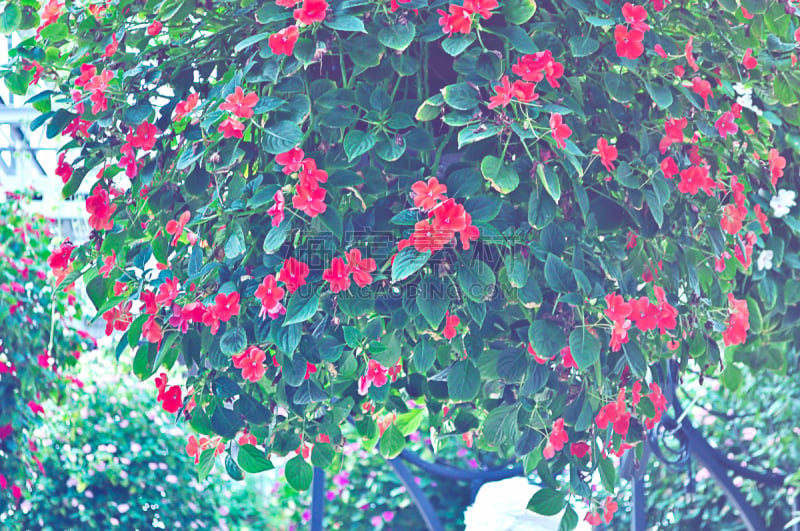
509, 214
39, 344
113, 461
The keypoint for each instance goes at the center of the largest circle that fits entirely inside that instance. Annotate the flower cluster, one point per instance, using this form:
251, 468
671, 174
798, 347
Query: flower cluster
338, 274
629, 38
458, 19
640, 312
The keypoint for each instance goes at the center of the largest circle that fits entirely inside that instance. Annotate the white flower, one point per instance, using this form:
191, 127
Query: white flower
782, 203
764, 260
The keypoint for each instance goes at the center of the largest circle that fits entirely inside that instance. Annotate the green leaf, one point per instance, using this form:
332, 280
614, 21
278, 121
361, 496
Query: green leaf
409, 421
253, 460
546, 337
550, 181
461, 96
322, 455
235, 245
430, 108
281, 137
233, 341
276, 236
732, 377
547, 501
251, 40
756, 7
660, 94
58, 122
608, 474
569, 521
205, 464
585, 348
519, 12
300, 308
397, 36
232, 468
583, 45
424, 356
500, 426
541, 210
469, 135
432, 300
365, 51
463, 381
226, 422
138, 113
407, 262
392, 442
783, 90
299, 473
456, 44
619, 88
356, 143
10, 18
502, 176
558, 275
346, 23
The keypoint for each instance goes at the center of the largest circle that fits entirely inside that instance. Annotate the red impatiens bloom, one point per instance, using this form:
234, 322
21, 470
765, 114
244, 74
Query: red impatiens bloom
448, 218
239, 103
557, 439
311, 11
276, 210
426, 237
481, 7
608, 153
635, 16
231, 128
427, 195
615, 414
776, 165
63, 169
702, 88
310, 369
100, 209
609, 508
61, 257
538, 66
154, 28
175, 228
270, 295
630, 241
669, 167
644, 314
360, 267
108, 264
292, 160
450, 324
559, 130
376, 375
170, 396
458, 20
690, 56
185, 107
674, 132
168, 292
283, 41
732, 218
223, 309
118, 318
629, 42
152, 331
251, 361
618, 309
579, 449
310, 176
111, 49
87, 73
293, 274
35, 407
338, 275
145, 137
51, 13
521, 90
309, 200
762, 219
470, 232
738, 322
695, 178
726, 124
749, 61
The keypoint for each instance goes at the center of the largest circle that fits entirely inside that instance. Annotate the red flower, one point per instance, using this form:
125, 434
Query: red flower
505, 93
224, 307
293, 274
100, 209
459, 20
111, 49
690, 56
427, 195
310, 200
377, 374
559, 130
283, 41
87, 73
154, 28
524, 91
618, 309
108, 264
579, 449
635, 16
427, 238
660, 51
567, 360
470, 232
311, 11
291, 161
481, 7
51, 13
151, 330
630, 242
536, 357
185, 107
310, 369
360, 267
738, 322
669, 167
310, 176
732, 218
608, 154
240, 104
702, 88
749, 61
338, 275
175, 228
168, 292
609, 508
118, 318
63, 169
629, 43
557, 439
61, 257
726, 124
776, 165
450, 324
762, 219
644, 314
448, 218
276, 210
171, 398
145, 137
231, 128
693, 179
35, 407
251, 361
538, 66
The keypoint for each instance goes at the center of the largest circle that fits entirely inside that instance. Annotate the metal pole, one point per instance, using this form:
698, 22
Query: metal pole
424, 506
317, 499
639, 505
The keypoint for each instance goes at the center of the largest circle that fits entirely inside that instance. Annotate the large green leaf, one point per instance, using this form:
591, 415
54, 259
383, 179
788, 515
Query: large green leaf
463, 381
547, 501
298, 473
281, 137
585, 348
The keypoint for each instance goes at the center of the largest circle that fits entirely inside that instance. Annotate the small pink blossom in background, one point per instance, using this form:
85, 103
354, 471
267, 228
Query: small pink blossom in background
748, 434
